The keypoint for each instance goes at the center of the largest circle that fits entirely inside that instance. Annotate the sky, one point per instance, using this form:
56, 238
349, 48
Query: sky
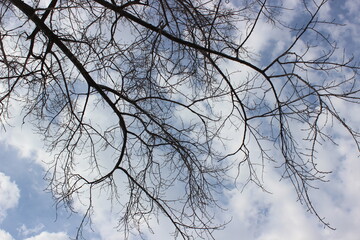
28, 212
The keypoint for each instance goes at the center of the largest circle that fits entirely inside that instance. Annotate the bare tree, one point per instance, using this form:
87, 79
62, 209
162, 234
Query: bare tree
159, 72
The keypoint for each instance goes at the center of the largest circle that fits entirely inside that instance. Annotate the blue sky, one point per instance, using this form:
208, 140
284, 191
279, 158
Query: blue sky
27, 212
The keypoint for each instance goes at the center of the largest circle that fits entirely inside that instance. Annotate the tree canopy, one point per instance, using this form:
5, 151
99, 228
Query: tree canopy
163, 104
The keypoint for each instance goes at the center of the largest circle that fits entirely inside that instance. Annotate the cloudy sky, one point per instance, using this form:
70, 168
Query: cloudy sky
27, 212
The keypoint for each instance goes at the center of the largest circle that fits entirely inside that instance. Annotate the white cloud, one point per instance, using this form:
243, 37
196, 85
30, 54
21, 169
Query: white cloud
23, 138
48, 236
260, 215
25, 231
278, 216
5, 235
9, 193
